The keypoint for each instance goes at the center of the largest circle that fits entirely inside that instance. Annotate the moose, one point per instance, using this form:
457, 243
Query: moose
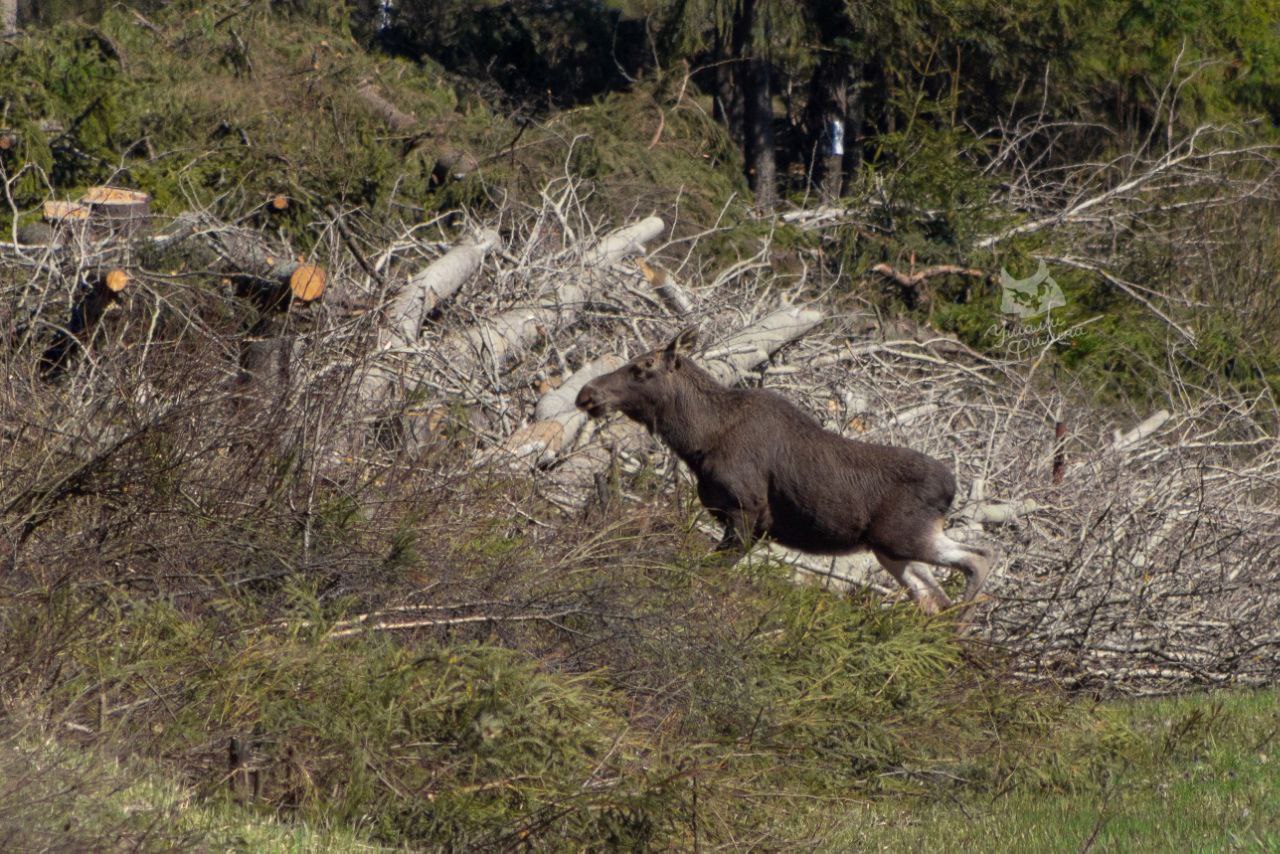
765, 468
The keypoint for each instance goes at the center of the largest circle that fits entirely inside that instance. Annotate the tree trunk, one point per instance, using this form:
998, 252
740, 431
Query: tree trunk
761, 161
96, 293
727, 107
755, 84
855, 117
8, 16
826, 121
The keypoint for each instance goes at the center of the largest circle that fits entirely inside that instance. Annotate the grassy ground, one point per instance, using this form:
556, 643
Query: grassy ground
1197, 773
61, 797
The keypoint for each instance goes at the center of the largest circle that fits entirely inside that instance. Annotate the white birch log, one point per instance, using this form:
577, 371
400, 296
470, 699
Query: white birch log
433, 284
1130, 440
670, 290
625, 241
753, 345
557, 420
499, 339
422, 292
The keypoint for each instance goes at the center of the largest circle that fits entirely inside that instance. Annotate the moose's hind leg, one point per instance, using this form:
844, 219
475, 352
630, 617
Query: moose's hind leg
919, 583
973, 561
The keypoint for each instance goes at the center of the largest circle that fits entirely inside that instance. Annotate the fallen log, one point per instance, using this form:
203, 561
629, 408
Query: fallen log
751, 346
514, 330
434, 283
395, 118
283, 285
421, 293
499, 340
1131, 439
914, 279
557, 419
260, 272
671, 292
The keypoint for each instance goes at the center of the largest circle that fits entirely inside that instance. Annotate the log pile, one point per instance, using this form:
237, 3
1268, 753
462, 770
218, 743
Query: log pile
1137, 553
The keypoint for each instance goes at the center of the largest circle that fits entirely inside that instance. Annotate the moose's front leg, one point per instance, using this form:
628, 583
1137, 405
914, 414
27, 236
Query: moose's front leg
743, 515
737, 538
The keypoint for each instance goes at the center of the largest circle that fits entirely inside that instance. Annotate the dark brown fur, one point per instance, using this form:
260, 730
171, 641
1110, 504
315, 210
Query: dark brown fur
763, 467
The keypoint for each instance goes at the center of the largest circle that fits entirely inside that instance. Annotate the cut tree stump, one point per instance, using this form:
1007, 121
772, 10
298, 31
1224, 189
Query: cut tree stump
118, 211
67, 218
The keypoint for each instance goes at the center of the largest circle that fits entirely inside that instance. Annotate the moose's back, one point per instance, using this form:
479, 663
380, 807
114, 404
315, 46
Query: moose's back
825, 492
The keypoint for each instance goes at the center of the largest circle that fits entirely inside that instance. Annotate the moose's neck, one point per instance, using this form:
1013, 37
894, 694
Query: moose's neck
693, 423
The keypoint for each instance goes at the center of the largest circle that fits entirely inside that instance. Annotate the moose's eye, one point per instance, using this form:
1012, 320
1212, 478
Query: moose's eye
642, 368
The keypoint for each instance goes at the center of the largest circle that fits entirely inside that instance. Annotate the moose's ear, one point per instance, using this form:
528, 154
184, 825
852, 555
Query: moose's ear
682, 345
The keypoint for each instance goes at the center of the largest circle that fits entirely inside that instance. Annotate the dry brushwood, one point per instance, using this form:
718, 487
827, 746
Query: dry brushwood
1136, 552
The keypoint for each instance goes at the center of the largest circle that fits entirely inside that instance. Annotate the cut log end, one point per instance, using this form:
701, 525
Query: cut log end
652, 275
56, 211
115, 280
307, 282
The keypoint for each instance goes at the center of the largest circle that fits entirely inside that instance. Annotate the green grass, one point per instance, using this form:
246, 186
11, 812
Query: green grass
1197, 773
60, 796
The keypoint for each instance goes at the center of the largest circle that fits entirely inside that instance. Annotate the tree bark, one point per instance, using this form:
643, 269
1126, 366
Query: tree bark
827, 98
512, 331
855, 118
395, 118
749, 347
756, 85
8, 16
727, 107
499, 339
117, 211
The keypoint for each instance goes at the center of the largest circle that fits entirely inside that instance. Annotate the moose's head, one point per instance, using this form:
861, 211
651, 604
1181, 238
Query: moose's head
645, 386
